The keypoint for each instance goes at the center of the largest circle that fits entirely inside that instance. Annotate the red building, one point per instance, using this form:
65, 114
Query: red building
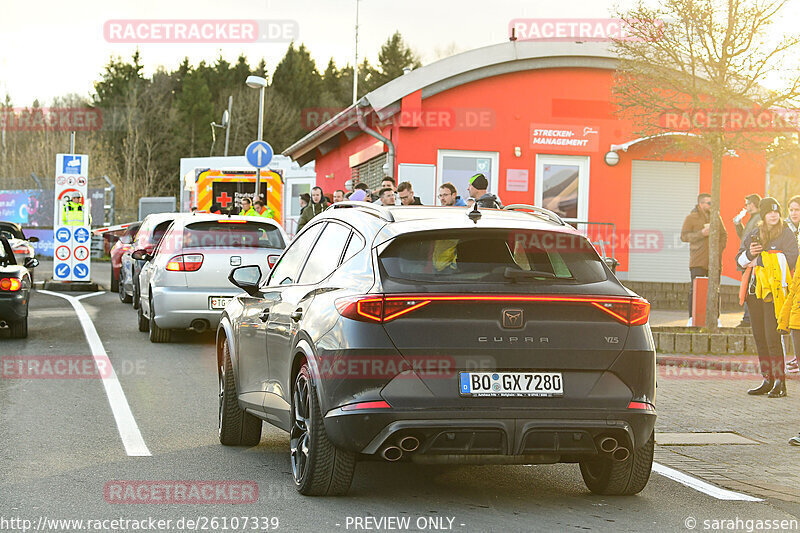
538, 120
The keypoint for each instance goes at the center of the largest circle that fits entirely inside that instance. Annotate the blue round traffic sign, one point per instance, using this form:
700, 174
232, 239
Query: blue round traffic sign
61, 271
81, 270
63, 234
259, 153
81, 235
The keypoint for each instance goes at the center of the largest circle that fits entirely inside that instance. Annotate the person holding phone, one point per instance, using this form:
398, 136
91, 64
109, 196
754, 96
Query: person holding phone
770, 249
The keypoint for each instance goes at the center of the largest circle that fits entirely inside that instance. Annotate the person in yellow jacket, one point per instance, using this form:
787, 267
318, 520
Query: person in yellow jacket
262, 210
247, 208
762, 249
72, 212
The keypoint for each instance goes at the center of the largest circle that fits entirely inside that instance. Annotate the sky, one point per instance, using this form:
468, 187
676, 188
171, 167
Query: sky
51, 48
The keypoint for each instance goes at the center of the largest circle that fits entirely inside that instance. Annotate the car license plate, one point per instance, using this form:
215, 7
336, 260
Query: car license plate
219, 302
542, 384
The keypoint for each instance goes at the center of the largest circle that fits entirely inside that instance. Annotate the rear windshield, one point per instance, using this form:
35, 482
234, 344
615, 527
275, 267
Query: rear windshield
223, 234
493, 256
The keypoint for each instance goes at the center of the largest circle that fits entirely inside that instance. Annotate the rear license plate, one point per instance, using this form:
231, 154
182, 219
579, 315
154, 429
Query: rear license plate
219, 302
541, 384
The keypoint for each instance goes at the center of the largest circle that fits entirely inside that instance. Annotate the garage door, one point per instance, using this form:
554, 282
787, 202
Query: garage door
662, 195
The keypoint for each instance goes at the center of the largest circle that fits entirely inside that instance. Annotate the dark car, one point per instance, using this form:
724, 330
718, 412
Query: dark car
432, 335
20, 244
15, 290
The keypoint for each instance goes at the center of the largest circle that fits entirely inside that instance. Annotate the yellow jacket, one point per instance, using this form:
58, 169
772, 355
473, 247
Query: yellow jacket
789, 317
773, 279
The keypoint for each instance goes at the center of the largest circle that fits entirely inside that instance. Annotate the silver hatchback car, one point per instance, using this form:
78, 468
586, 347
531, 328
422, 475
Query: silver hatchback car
184, 283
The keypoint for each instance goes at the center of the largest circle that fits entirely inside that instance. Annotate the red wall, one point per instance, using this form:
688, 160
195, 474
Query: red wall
580, 97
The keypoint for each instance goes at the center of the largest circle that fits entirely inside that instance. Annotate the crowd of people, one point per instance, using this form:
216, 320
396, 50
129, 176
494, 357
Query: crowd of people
769, 259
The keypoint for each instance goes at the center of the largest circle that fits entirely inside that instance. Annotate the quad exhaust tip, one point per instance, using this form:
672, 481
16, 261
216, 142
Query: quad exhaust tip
608, 444
409, 443
621, 454
392, 453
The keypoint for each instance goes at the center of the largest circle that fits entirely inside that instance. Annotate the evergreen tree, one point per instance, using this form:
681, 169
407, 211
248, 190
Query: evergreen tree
297, 79
195, 114
394, 56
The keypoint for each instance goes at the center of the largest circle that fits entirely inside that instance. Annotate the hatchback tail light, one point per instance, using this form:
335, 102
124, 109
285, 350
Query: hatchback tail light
384, 308
185, 263
10, 284
272, 259
378, 308
22, 249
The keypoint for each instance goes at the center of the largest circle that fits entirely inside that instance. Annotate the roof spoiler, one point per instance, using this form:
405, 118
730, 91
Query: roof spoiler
537, 211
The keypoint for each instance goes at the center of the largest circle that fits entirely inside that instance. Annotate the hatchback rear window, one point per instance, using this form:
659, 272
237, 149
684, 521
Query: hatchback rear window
493, 256
225, 234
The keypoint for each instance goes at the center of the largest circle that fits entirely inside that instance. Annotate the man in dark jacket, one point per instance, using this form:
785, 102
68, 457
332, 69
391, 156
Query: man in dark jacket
406, 194
478, 184
696, 228
317, 206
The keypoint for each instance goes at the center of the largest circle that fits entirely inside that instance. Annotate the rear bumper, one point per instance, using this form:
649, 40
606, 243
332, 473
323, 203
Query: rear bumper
178, 307
13, 308
552, 436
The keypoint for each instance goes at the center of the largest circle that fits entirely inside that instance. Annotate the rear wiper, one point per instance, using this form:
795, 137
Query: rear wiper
514, 274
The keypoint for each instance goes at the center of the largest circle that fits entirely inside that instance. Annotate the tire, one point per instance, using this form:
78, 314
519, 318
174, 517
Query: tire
603, 475
236, 426
124, 297
157, 334
319, 468
142, 322
114, 281
19, 329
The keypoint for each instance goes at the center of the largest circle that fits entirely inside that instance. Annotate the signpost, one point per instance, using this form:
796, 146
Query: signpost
71, 261
259, 154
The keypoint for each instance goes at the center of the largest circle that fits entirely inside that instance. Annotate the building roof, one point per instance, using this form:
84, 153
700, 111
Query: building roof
450, 72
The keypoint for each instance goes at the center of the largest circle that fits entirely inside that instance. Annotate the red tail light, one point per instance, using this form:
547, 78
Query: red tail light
379, 308
185, 263
231, 221
10, 284
382, 309
272, 259
641, 405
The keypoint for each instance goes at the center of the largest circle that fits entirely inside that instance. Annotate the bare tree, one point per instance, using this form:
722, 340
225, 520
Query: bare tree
701, 66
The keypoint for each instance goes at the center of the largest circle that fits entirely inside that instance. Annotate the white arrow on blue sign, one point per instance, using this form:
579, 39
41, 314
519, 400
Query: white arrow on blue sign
259, 153
81, 270
62, 270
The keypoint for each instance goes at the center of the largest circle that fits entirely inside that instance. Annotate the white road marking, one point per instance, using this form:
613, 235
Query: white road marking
701, 486
126, 424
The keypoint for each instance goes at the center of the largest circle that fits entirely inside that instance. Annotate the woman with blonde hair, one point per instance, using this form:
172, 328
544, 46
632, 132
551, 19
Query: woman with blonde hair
770, 249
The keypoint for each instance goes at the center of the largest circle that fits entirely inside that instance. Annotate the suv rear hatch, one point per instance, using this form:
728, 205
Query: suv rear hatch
537, 305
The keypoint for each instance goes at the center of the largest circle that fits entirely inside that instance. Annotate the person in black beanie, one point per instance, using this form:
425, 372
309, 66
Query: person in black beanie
772, 236
477, 190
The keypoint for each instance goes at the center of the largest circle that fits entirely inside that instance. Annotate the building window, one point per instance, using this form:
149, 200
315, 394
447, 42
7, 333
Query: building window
369, 172
458, 166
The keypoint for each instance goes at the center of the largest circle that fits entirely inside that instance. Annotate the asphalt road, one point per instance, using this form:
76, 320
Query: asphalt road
61, 449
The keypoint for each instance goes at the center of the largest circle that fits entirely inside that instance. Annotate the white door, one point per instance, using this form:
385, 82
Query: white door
663, 193
422, 179
458, 166
292, 190
562, 185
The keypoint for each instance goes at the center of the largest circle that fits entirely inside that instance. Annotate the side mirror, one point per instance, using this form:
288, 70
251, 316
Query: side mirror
611, 263
31, 262
141, 255
33, 239
246, 278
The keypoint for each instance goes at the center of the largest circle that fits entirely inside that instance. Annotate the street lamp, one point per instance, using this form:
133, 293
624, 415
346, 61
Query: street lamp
257, 82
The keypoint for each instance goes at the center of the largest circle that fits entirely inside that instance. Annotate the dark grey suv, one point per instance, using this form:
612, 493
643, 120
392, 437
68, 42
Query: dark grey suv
440, 335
